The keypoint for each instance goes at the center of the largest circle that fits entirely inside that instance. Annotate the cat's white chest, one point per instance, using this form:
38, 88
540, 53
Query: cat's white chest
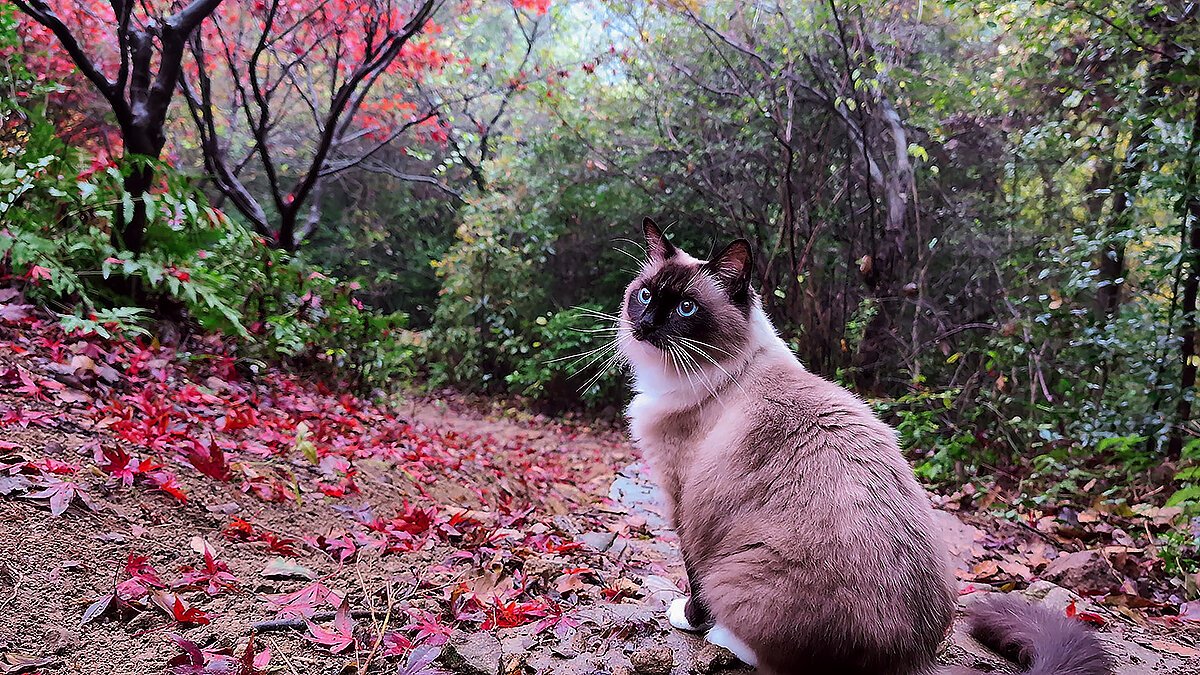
644, 414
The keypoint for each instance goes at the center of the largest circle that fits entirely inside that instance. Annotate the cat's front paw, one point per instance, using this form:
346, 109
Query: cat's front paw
677, 615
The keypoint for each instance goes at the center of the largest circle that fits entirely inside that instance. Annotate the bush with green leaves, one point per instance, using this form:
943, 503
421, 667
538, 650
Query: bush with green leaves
499, 327
198, 266
928, 428
568, 356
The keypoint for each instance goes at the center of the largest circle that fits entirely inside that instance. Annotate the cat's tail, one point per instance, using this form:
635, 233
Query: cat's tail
1037, 639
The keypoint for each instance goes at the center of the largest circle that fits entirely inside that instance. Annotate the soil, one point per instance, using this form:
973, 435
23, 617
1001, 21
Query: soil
562, 522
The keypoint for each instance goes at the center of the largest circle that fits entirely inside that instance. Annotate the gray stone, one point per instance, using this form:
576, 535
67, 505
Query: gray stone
709, 658
652, 660
472, 654
958, 536
1088, 571
600, 541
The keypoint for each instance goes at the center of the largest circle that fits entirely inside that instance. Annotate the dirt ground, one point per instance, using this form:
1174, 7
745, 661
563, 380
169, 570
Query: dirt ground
182, 518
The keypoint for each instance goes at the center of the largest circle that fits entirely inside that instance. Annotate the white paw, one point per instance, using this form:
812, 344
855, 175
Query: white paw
723, 637
677, 616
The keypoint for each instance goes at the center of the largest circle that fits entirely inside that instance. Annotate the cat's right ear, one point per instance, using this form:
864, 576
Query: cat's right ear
656, 242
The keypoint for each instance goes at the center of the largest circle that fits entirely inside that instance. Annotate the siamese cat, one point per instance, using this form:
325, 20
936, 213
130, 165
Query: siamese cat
808, 543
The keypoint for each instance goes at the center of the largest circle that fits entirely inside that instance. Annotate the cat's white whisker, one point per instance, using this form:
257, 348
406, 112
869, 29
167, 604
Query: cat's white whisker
632, 257
635, 245
607, 345
596, 313
705, 380
681, 357
713, 361
701, 343
617, 357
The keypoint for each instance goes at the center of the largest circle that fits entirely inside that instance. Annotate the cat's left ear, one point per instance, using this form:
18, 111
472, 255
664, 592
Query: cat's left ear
731, 268
657, 244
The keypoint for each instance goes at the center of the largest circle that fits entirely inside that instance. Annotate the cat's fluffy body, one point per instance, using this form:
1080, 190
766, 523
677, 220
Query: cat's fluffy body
809, 544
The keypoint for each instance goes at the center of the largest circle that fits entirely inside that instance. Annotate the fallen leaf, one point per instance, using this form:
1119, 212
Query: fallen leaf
97, 609
338, 638
15, 663
282, 568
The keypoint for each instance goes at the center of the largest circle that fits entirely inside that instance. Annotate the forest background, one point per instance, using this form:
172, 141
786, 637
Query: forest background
983, 217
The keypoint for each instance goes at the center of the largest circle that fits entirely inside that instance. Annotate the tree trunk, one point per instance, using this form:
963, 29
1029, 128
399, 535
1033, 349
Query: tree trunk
1190, 216
287, 231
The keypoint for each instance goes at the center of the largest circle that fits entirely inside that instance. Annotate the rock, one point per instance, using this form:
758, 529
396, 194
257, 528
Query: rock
1055, 597
1087, 572
659, 591
597, 540
282, 568
652, 661
472, 654
619, 547
565, 524
709, 658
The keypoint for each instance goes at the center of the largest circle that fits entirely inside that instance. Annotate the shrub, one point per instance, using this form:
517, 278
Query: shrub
198, 267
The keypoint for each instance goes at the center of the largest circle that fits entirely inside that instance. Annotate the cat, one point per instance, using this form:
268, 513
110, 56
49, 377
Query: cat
808, 544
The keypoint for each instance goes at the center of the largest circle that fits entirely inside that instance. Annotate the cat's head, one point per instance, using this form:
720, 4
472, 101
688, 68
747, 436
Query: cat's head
687, 314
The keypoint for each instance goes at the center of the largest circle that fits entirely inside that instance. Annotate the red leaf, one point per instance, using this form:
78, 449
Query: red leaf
305, 601
213, 577
251, 663
179, 610
1090, 617
139, 567
210, 462
340, 637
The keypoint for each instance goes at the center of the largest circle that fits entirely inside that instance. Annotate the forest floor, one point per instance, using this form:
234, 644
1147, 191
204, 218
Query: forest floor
169, 511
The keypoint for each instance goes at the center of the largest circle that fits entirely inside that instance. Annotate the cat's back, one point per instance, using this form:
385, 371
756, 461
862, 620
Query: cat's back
791, 414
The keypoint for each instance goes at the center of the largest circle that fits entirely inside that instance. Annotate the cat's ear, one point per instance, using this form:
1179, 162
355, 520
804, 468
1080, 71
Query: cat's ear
656, 242
731, 268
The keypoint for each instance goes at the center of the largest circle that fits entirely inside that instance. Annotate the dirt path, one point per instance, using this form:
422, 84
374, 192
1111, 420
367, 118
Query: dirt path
162, 512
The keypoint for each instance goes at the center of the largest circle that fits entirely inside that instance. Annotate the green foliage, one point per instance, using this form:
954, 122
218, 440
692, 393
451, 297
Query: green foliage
197, 266
495, 328
1187, 495
929, 429
566, 357
387, 236
490, 295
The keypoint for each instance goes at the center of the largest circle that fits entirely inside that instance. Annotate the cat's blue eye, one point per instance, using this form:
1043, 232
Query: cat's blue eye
644, 296
686, 308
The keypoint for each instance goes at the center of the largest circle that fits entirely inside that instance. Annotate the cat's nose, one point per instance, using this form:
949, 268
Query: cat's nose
645, 326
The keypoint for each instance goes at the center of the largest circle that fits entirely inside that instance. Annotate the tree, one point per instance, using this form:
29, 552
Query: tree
288, 88
474, 103
141, 92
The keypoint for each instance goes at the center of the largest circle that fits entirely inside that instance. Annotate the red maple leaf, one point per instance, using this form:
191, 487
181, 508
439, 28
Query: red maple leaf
251, 662
139, 567
166, 481
209, 461
214, 576
1090, 617
114, 461
304, 602
179, 610
60, 493
340, 637
429, 629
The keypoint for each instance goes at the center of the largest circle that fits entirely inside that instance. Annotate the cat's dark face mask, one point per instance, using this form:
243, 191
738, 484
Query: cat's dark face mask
693, 310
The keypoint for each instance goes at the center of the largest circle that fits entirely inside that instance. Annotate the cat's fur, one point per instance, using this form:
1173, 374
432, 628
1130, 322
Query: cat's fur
809, 545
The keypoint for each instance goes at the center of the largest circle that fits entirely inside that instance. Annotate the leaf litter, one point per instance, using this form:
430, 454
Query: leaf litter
170, 510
